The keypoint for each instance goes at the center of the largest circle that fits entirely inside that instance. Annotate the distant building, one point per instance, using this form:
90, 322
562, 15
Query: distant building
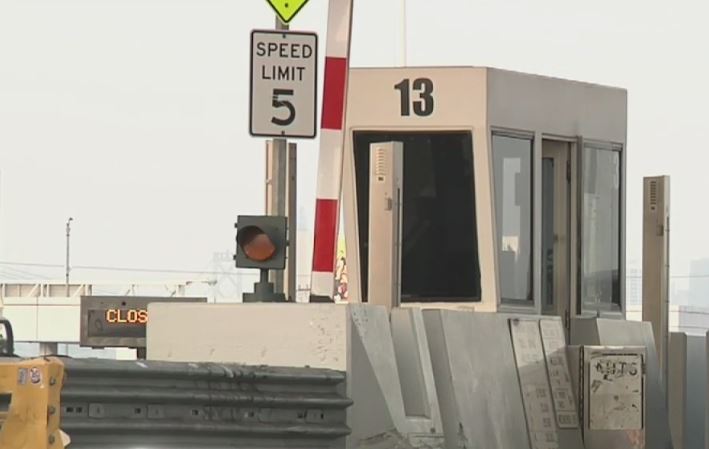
634, 286
679, 294
687, 319
699, 283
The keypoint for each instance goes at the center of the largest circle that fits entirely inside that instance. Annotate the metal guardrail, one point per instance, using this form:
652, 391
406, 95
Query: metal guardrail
150, 405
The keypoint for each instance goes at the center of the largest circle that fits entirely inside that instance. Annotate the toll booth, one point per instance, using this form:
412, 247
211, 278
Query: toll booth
467, 190
512, 194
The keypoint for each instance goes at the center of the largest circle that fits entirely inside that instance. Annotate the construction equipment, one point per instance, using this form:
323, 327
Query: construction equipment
29, 398
7, 339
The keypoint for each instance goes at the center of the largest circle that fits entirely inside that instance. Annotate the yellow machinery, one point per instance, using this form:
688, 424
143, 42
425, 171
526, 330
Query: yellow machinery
29, 399
30, 391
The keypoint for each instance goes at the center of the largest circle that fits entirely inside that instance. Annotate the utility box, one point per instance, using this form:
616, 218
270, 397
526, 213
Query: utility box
611, 385
656, 265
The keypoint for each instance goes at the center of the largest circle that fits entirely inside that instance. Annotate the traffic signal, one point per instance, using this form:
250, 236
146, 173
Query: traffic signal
261, 242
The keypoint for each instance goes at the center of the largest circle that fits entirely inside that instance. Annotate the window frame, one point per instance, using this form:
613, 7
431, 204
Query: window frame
507, 304
612, 309
548, 309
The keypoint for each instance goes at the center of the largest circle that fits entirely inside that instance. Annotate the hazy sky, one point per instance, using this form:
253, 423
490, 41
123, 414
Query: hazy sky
131, 115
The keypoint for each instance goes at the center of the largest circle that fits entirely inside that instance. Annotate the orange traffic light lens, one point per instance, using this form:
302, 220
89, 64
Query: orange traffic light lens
260, 248
256, 244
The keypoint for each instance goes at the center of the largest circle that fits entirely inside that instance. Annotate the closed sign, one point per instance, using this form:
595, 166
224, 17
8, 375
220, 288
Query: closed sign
119, 321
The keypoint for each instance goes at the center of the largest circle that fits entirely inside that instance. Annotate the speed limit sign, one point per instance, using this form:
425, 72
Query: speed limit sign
283, 99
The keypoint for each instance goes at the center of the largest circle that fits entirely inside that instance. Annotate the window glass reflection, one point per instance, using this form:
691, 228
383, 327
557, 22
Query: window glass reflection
512, 160
600, 250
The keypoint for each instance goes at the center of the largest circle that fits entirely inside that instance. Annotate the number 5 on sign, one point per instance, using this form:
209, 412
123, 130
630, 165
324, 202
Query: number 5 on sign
279, 102
283, 100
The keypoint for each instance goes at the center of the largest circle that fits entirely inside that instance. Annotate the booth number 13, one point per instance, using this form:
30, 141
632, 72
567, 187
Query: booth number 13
421, 89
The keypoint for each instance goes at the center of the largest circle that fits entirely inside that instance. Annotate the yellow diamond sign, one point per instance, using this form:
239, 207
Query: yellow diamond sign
287, 9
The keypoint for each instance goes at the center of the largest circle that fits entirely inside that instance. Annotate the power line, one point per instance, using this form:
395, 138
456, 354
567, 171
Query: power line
12, 273
126, 269
28, 264
206, 272
17, 273
677, 276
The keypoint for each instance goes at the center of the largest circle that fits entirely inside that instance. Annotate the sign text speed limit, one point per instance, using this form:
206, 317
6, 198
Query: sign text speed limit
283, 84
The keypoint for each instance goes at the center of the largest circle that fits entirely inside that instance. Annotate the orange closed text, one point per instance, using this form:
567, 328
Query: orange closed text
127, 316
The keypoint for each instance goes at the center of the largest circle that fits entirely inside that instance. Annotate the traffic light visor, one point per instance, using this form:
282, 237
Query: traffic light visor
255, 243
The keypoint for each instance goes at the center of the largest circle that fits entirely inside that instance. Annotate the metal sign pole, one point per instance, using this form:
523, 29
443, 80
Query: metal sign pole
67, 266
276, 160
291, 212
402, 57
281, 190
283, 104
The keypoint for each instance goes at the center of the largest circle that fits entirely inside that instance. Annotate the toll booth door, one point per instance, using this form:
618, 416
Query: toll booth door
439, 247
556, 229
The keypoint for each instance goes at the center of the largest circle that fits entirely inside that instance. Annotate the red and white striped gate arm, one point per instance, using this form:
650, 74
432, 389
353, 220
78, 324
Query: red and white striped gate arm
332, 139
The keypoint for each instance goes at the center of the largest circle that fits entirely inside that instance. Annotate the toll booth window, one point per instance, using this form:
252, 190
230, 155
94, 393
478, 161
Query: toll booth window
600, 229
512, 160
439, 255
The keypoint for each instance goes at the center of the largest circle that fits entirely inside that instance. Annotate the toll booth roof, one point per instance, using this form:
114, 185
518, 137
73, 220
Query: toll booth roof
492, 70
493, 97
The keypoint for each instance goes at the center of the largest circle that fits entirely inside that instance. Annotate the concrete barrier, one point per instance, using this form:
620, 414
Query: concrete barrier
419, 378
389, 374
688, 390
607, 332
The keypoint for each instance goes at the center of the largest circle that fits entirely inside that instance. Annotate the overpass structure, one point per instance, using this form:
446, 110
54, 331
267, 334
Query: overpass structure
48, 313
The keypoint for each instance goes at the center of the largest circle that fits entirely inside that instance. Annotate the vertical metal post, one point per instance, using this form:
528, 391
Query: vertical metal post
264, 291
656, 265
677, 388
67, 266
292, 214
276, 163
48, 348
280, 200
402, 56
